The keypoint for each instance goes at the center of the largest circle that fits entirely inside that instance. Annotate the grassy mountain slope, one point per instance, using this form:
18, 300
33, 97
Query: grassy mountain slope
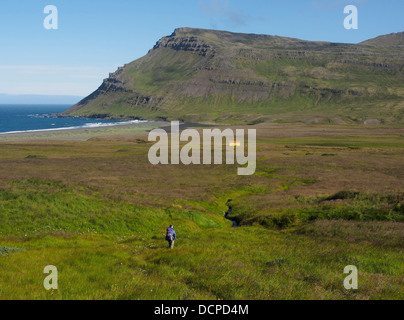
206, 75
388, 40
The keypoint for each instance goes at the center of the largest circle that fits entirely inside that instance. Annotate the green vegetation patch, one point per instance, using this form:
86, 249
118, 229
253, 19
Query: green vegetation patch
37, 206
6, 250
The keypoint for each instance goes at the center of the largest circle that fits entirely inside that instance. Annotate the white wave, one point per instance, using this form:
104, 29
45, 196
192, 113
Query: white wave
87, 125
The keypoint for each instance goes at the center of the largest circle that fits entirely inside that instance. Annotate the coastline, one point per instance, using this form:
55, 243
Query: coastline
81, 134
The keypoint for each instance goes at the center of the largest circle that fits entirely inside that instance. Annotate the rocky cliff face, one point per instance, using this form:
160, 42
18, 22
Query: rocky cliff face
201, 74
192, 44
110, 85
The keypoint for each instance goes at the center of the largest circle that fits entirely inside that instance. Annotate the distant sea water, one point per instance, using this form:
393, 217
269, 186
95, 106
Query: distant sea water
31, 118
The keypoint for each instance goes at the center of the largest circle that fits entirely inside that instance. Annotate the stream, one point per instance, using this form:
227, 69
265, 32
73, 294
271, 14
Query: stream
226, 215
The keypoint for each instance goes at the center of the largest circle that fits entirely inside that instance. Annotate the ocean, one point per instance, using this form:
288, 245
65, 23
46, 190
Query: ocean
31, 118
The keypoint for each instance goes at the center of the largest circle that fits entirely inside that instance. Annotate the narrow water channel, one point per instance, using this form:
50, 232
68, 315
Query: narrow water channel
226, 215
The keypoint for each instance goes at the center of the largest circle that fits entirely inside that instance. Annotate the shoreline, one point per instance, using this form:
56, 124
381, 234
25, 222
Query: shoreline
130, 126
90, 126
81, 133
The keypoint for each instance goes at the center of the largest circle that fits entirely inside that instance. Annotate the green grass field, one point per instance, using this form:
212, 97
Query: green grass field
322, 198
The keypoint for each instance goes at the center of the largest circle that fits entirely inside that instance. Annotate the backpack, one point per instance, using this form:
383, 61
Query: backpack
170, 234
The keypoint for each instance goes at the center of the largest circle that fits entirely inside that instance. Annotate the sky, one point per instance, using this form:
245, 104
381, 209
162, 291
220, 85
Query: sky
95, 37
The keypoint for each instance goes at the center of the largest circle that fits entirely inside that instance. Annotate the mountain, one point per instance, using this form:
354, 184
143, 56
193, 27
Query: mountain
209, 75
389, 40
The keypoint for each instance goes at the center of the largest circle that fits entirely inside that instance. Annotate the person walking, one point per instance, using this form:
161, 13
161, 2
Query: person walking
171, 236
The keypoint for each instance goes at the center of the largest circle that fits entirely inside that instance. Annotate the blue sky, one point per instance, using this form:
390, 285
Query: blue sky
95, 37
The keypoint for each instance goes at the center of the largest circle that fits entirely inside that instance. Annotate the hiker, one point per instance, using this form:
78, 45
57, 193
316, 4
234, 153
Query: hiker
171, 236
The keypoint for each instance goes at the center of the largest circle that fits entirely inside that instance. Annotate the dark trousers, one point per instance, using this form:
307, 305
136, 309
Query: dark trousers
171, 244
